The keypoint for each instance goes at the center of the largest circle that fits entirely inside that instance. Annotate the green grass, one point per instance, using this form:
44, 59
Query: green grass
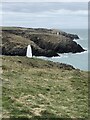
34, 87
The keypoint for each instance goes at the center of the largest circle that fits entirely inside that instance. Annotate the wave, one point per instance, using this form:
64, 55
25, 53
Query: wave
85, 52
66, 55
80, 38
75, 40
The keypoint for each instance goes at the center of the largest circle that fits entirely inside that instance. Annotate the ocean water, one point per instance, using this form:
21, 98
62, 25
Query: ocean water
78, 60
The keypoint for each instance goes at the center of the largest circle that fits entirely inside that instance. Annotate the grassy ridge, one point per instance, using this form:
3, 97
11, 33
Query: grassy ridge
34, 87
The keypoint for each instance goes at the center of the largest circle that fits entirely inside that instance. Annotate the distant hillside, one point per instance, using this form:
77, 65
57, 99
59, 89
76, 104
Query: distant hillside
44, 42
34, 88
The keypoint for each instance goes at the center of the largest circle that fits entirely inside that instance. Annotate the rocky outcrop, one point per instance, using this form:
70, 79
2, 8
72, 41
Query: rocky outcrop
44, 42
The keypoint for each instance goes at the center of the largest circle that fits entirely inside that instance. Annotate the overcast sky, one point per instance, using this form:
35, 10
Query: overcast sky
50, 15
45, 0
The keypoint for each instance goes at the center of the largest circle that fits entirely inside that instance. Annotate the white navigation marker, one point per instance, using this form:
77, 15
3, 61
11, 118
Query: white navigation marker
29, 51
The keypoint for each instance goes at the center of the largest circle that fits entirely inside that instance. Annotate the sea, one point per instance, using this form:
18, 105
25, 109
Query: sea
77, 60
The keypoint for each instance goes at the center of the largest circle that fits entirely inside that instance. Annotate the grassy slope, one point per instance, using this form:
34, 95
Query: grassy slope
34, 87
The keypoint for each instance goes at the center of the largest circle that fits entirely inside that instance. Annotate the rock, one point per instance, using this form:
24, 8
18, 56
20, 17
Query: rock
44, 42
72, 36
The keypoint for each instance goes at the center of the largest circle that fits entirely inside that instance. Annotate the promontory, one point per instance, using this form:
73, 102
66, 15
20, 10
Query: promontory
44, 42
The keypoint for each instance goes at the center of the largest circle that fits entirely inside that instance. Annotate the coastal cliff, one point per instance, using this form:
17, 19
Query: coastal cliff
35, 88
44, 42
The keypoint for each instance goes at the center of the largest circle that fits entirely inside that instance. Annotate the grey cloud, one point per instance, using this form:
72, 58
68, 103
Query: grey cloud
41, 7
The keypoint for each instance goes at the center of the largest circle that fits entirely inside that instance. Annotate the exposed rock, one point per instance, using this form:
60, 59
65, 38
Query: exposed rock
44, 42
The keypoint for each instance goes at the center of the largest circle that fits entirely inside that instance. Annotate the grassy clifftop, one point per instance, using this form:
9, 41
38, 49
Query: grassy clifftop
34, 87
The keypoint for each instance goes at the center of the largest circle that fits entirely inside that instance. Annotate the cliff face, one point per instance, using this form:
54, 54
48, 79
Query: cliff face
44, 42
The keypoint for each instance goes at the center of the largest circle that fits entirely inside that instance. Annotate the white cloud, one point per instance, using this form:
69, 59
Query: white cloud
50, 13
70, 12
